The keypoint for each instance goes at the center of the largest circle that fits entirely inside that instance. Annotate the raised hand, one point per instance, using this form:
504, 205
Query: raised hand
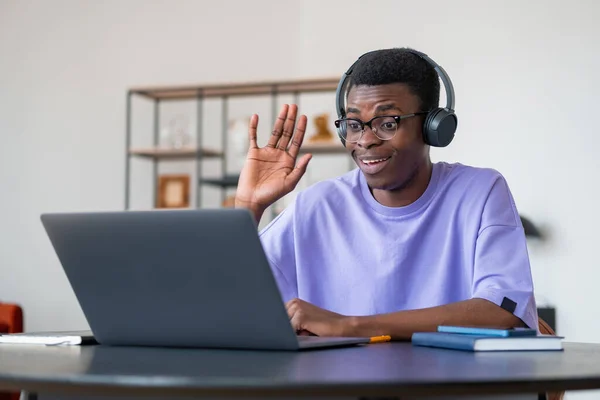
272, 171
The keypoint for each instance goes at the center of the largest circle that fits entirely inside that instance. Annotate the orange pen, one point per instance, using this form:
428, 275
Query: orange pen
380, 339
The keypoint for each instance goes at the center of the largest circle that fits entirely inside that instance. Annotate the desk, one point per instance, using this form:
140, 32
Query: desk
386, 369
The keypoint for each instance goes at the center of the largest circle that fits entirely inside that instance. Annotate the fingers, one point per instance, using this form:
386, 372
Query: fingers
288, 127
294, 314
297, 317
252, 131
298, 136
278, 126
294, 177
295, 322
291, 307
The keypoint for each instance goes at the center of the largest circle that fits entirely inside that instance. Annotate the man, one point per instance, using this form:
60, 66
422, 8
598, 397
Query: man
400, 244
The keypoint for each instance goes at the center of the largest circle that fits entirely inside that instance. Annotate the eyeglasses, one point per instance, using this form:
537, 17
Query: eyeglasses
384, 127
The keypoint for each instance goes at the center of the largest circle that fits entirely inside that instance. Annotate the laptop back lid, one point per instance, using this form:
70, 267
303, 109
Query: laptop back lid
196, 278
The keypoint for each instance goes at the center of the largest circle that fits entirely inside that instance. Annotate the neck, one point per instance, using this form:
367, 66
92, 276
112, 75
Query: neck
410, 191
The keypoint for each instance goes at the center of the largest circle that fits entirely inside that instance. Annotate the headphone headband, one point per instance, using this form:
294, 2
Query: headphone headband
449, 88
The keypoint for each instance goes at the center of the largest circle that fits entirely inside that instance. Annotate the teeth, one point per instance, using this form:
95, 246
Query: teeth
374, 161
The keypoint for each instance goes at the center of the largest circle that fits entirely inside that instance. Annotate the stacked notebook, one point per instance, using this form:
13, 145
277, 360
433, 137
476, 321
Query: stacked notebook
483, 339
72, 338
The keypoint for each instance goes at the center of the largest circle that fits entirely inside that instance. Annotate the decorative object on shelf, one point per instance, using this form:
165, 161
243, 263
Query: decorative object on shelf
173, 191
177, 132
238, 132
229, 201
323, 133
530, 229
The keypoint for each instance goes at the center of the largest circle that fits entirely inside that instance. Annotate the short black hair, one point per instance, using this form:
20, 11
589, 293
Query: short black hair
397, 65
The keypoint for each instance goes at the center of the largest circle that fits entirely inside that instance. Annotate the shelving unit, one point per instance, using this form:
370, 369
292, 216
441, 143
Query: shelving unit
198, 153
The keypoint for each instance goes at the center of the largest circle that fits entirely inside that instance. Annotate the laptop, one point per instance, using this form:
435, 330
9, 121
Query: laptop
176, 278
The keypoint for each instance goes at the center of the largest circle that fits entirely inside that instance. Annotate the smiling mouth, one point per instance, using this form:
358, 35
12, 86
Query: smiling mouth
374, 166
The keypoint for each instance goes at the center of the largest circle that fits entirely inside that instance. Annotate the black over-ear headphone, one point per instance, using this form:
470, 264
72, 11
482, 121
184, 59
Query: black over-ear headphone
440, 123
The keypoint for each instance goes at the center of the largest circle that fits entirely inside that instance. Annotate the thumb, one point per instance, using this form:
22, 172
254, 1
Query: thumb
295, 322
294, 177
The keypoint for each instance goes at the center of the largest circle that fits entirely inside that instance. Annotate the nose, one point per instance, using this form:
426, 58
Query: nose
368, 139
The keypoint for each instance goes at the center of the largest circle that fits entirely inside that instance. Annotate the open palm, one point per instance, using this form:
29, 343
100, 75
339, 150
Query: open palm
271, 172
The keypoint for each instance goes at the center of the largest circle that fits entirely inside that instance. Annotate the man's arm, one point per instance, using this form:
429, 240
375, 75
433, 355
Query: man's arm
402, 324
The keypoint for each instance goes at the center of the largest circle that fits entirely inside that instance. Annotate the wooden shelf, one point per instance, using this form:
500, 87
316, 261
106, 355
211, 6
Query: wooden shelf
225, 182
192, 152
237, 89
175, 154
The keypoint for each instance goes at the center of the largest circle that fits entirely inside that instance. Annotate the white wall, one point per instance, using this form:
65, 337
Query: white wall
65, 67
525, 74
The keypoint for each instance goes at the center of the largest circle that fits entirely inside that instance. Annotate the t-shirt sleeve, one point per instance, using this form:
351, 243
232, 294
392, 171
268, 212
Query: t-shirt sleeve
277, 239
502, 273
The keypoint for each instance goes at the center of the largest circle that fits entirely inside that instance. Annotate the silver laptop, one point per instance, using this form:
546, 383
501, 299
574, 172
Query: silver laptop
177, 278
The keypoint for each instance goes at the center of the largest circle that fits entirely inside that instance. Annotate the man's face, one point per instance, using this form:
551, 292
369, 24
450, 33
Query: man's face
404, 153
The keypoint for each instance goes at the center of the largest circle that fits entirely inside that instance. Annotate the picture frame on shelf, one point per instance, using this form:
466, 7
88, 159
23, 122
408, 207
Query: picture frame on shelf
173, 191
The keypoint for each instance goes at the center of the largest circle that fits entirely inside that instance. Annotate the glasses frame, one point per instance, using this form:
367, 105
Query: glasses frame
397, 118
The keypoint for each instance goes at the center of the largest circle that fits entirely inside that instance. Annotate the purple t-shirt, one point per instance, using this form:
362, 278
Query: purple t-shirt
336, 247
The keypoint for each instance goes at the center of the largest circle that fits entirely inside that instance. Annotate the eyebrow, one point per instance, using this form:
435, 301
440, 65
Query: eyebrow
379, 109
386, 107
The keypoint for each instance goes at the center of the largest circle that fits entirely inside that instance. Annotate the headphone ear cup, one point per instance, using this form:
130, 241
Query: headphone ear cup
439, 127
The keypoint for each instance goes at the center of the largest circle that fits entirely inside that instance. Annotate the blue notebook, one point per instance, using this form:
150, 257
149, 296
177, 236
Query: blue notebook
487, 331
471, 342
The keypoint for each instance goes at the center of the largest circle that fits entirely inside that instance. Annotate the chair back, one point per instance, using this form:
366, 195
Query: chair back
11, 321
545, 329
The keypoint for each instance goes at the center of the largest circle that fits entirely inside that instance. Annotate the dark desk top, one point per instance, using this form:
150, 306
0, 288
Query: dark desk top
376, 370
